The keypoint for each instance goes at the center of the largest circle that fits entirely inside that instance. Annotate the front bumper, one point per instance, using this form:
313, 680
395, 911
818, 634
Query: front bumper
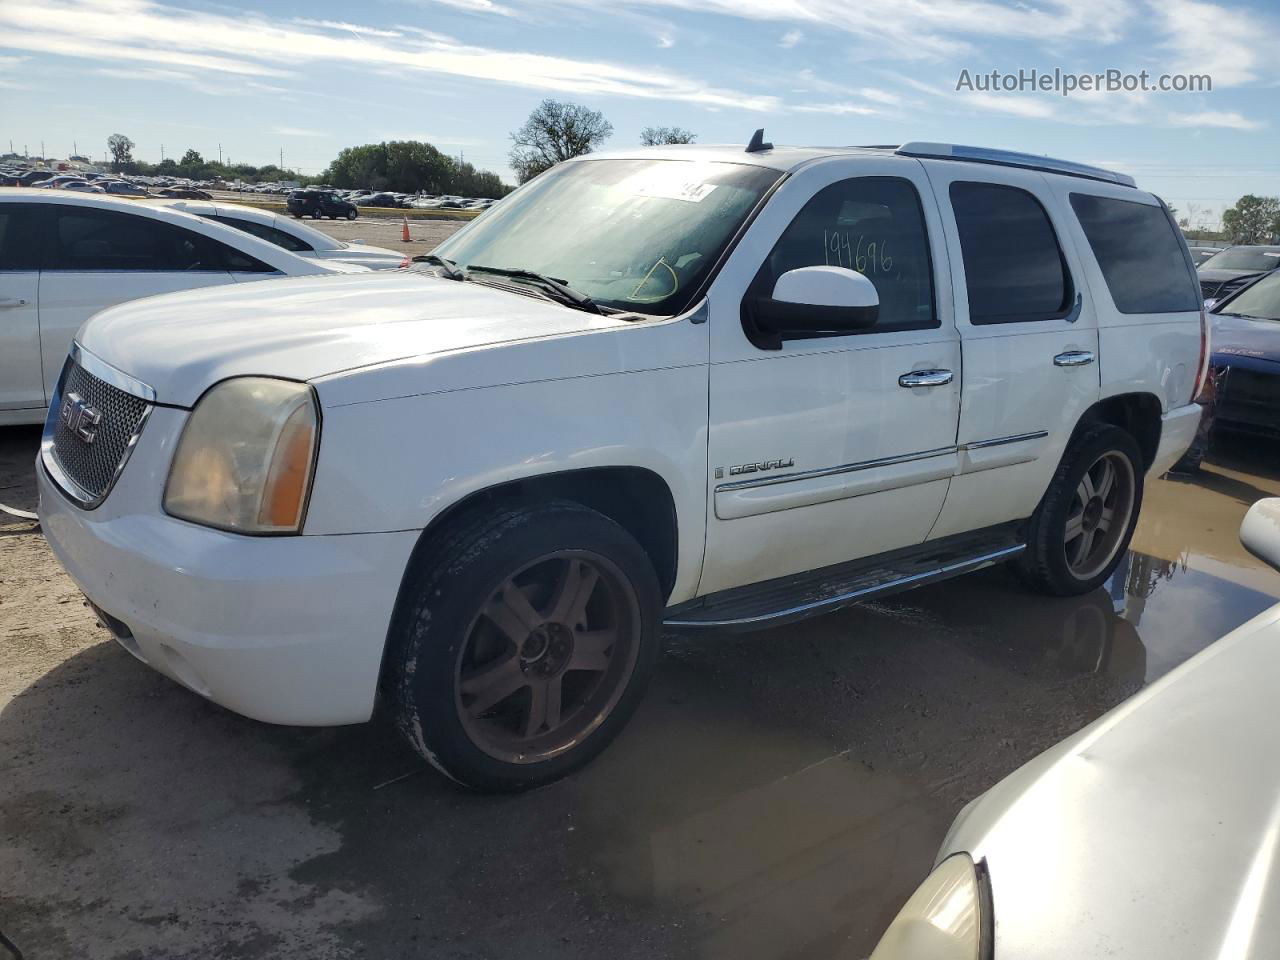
1177, 431
287, 630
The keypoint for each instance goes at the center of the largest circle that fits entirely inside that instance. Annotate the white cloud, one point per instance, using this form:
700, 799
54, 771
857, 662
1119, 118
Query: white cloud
1014, 105
1231, 46
256, 45
666, 41
790, 39
1229, 120
12, 63
858, 109
295, 132
477, 6
343, 27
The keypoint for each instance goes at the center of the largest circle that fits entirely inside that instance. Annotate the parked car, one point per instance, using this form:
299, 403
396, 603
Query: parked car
798, 378
1150, 833
1230, 269
28, 178
294, 236
81, 186
122, 188
1242, 392
320, 203
65, 256
378, 200
183, 193
1201, 253
58, 182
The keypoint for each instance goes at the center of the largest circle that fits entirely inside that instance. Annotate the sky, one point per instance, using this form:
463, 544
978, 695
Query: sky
302, 80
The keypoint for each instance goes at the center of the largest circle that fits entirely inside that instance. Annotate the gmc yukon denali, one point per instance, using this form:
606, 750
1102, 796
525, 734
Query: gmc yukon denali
691, 387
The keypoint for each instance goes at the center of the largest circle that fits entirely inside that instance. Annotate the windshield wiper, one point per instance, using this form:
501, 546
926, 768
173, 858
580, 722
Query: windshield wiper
447, 267
557, 289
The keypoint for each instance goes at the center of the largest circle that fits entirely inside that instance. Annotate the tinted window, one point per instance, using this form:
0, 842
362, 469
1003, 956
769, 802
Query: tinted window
873, 225
1140, 254
88, 239
1013, 265
1246, 258
264, 232
1262, 300
18, 247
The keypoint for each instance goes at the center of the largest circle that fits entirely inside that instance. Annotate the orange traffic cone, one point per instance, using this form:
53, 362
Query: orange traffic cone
404, 234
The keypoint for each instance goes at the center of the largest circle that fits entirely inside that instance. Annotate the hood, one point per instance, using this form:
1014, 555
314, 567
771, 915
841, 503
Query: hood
1234, 336
306, 327
1221, 276
1153, 832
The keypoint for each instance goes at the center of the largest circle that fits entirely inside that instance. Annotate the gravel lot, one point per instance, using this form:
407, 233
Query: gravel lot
381, 232
779, 794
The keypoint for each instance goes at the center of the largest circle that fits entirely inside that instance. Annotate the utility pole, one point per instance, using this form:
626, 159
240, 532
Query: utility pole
219, 153
282, 158
162, 153
41, 149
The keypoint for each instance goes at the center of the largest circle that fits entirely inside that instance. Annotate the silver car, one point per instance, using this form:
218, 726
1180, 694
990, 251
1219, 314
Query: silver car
1152, 834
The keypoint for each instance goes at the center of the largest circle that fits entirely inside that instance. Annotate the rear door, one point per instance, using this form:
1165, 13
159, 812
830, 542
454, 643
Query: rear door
97, 258
21, 381
1029, 335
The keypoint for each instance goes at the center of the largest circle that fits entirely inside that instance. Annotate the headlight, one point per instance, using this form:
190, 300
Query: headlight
943, 920
245, 456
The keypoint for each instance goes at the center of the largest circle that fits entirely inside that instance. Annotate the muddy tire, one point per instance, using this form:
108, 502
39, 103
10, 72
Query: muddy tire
1083, 525
522, 644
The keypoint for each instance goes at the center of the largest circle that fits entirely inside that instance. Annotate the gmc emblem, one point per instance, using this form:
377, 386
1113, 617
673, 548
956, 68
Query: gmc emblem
80, 418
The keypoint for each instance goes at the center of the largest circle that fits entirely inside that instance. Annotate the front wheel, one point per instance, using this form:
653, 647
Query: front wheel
1083, 525
351, 214
523, 644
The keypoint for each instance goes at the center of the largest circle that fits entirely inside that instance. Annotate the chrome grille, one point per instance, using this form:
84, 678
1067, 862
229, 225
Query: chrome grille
90, 454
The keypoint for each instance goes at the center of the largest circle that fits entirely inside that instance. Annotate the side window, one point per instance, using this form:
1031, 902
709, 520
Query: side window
1013, 266
263, 232
229, 258
89, 239
1140, 254
19, 241
874, 225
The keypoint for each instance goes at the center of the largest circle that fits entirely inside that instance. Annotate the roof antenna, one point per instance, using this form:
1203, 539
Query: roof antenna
757, 142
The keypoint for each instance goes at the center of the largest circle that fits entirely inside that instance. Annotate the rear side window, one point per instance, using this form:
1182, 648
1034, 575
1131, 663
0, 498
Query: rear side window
1013, 266
1140, 254
19, 246
88, 239
873, 225
263, 232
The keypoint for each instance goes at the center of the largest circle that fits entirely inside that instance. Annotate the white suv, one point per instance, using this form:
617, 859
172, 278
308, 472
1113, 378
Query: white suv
703, 386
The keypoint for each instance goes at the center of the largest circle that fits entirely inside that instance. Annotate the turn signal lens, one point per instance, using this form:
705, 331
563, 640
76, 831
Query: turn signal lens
245, 458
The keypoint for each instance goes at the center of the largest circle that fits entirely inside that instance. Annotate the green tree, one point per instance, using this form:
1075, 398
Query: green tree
409, 166
121, 148
657, 136
556, 131
191, 158
1253, 219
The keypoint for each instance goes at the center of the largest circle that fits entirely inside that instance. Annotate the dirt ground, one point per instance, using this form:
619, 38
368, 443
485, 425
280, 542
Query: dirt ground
778, 795
424, 235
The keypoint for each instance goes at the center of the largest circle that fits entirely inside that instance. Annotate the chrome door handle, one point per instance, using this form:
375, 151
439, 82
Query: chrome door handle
12, 302
926, 378
1073, 358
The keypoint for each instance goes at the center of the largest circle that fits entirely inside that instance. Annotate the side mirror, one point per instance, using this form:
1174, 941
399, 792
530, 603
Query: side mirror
1260, 532
818, 300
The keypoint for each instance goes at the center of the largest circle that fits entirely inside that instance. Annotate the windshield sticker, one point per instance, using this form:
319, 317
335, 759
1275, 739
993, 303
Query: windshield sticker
690, 191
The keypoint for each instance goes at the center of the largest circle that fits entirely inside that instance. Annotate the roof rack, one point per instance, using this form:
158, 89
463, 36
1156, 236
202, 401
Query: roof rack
1011, 158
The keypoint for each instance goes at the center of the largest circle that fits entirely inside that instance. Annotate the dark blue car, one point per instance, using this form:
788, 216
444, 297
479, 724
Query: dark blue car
1242, 394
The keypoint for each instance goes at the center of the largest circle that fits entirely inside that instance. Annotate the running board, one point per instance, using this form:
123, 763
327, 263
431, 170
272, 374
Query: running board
787, 599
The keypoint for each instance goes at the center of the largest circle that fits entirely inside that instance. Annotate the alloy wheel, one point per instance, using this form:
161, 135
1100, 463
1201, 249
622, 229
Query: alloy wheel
1100, 514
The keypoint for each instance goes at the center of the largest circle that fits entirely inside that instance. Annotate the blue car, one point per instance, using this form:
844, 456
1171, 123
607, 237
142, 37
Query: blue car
1242, 393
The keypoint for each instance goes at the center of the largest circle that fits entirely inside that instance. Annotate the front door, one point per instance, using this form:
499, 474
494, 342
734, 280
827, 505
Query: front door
830, 448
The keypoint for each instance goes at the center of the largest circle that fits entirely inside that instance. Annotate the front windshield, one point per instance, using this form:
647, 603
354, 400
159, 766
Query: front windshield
1260, 300
636, 235
1244, 258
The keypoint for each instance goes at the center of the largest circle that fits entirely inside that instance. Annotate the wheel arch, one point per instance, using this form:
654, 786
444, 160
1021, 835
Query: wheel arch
636, 498
1136, 413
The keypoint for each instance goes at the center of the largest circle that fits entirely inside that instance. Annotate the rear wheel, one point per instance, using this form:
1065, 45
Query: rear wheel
523, 645
1083, 525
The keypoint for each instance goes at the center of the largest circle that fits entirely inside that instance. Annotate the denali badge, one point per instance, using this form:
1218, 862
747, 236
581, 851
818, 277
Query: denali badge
757, 467
80, 418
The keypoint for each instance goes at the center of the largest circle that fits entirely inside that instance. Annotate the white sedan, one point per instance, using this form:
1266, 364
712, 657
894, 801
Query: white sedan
1152, 834
65, 256
294, 235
